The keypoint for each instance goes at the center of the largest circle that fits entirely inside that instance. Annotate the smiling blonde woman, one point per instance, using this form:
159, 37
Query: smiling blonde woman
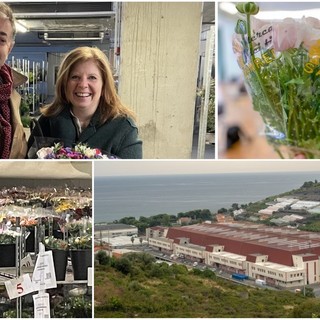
87, 109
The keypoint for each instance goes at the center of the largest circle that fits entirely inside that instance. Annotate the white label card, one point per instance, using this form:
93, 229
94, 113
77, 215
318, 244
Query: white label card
90, 280
19, 287
41, 306
27, 262
44, 276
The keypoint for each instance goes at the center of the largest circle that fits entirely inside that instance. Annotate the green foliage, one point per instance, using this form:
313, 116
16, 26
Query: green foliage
8, 237
313, 225
103, 258
256, 206
13, 314
123, 265
163, 291
134, 286
211, 106
198, 214
115, 304
51, 242
165, 220
179, 269
309, 184
25, 113
207, 273
308, 292
24, 107
74, 307
159, 270
307, 309
26, 103
26, 121
81, 242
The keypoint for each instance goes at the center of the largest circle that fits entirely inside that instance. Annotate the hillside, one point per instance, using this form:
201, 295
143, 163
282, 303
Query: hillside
136, 286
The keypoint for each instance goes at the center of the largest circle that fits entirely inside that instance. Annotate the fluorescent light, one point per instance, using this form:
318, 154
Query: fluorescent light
56, 15
46, 37
20, 27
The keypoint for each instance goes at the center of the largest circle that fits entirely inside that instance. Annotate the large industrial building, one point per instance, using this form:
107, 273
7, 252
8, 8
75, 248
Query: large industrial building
108, 231
283, 257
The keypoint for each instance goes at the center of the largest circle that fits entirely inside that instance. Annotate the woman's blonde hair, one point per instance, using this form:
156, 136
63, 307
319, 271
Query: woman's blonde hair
109, 106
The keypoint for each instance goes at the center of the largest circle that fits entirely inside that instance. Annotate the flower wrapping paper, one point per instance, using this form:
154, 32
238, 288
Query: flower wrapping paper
280, 61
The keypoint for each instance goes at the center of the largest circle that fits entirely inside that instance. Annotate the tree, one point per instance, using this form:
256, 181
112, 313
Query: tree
308, 292
128, 220
205, 214
235, 206
123, 265
103, 258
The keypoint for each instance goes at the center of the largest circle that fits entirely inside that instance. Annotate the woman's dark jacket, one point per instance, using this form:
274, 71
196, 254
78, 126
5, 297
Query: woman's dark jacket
118, 137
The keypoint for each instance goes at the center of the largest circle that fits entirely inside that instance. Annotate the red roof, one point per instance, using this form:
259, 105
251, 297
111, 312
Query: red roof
247, 238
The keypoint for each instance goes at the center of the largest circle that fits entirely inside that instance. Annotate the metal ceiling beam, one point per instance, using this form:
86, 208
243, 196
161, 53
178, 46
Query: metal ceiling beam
58, 15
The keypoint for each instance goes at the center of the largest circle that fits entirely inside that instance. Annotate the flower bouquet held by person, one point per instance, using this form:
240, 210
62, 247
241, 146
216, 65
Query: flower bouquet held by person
280, 61
80, 151
86, 110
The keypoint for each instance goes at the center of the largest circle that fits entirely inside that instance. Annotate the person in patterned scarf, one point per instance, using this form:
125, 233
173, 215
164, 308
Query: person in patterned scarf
13, 144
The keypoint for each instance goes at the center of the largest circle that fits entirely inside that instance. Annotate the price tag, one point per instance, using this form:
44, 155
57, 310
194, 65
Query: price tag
19, 287
90, 280
44, 276
41, 305
27, 262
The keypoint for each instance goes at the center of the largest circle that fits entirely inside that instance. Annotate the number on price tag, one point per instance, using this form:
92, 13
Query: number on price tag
19, 287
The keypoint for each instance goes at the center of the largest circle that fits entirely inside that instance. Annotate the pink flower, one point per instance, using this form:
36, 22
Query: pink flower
287, 34
312, 31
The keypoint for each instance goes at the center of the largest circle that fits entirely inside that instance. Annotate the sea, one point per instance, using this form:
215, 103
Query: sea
134, 196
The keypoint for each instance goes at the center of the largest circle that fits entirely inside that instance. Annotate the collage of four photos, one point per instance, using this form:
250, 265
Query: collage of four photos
159, 159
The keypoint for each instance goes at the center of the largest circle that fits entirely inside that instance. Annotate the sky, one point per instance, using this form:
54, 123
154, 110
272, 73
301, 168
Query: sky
165, 167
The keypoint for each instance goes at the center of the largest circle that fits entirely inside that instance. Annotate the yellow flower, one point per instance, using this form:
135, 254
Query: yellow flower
314, 52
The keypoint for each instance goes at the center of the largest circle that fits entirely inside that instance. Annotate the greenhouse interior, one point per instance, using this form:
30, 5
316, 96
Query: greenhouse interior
46, 240
46, 31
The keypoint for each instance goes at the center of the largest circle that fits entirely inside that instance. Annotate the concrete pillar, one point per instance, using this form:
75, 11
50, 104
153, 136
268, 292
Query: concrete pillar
158, 73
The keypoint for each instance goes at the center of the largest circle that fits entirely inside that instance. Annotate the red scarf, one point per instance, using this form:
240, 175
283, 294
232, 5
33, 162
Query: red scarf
5, 112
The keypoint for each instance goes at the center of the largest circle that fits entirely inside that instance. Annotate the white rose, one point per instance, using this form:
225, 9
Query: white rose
90, 153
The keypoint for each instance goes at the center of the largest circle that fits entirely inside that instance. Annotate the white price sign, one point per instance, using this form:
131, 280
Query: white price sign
19, 287
41, 306
44, 276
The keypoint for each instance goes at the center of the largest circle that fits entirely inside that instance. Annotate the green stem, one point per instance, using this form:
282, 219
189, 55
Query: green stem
252, 56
